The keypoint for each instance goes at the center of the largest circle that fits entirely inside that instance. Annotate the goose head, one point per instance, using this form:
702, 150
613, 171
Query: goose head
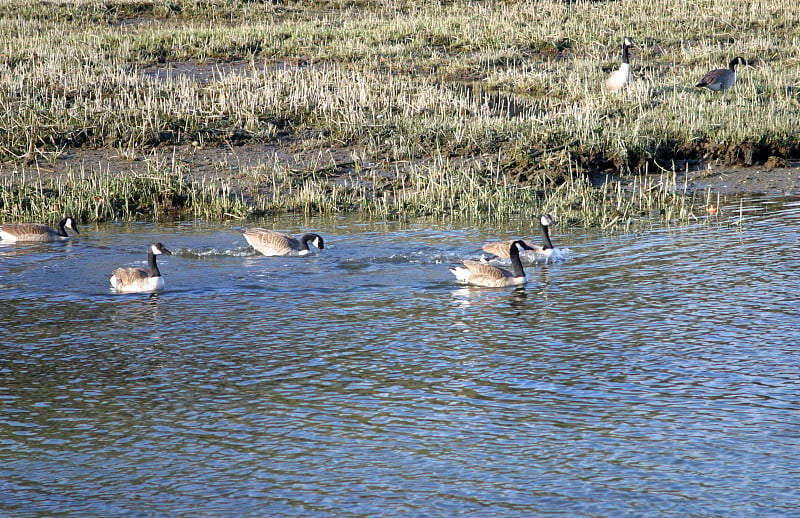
736, 61
70, 223
316, 240
158, 249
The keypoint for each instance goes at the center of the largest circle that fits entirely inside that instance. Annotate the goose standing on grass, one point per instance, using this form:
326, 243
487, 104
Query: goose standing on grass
721, 78
622, 76
530, 251
482, 274
36, 232
141, 279
271, 242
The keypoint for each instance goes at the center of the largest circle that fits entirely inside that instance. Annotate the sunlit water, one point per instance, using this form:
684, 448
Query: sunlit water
651, 374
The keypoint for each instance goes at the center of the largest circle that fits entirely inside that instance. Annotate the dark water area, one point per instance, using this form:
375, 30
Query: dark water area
649, 374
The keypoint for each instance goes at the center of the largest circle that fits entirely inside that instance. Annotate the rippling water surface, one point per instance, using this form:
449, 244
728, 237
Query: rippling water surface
651, 374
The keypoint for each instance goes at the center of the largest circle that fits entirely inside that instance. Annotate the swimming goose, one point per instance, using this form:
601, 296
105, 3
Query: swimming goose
721, 78
141, 279
530, 251
271, 242
619, 78
482, 274
36, 232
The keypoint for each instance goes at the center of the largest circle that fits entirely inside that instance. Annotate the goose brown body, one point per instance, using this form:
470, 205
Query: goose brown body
272, 242
130, 280
37, 232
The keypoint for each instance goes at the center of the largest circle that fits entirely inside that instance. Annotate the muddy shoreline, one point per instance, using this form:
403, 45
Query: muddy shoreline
247, 165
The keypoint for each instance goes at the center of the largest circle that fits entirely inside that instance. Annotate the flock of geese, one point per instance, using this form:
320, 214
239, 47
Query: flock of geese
273, 243
717, 79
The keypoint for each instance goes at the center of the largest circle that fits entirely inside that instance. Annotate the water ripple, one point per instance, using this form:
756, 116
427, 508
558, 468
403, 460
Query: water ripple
650, 374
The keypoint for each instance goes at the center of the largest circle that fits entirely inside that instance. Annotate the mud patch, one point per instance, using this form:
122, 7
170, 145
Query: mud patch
729, 181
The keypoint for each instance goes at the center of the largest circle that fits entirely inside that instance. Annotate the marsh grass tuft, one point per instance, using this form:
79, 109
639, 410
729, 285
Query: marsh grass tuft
444, 190
100, 195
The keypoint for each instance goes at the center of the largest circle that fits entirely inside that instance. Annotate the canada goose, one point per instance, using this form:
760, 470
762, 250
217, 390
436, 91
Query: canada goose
37, 232
271, 242
141, 279
622, 76
530, 251
483, 274
721, 78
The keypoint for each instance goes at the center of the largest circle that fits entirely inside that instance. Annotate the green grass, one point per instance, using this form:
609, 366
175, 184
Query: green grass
515, 86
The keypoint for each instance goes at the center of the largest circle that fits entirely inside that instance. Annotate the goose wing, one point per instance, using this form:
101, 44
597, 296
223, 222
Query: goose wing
130, 279
484, 270
125, 276
271, 242
717, 75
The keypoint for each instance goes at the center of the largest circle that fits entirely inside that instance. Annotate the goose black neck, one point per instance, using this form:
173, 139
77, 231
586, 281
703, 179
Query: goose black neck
60, 229
516, 263
625, 55
152, 265
548, 245
309, 237
304, 241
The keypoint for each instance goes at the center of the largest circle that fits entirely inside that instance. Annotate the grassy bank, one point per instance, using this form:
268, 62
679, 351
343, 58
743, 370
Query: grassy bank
452, 191
513, 84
